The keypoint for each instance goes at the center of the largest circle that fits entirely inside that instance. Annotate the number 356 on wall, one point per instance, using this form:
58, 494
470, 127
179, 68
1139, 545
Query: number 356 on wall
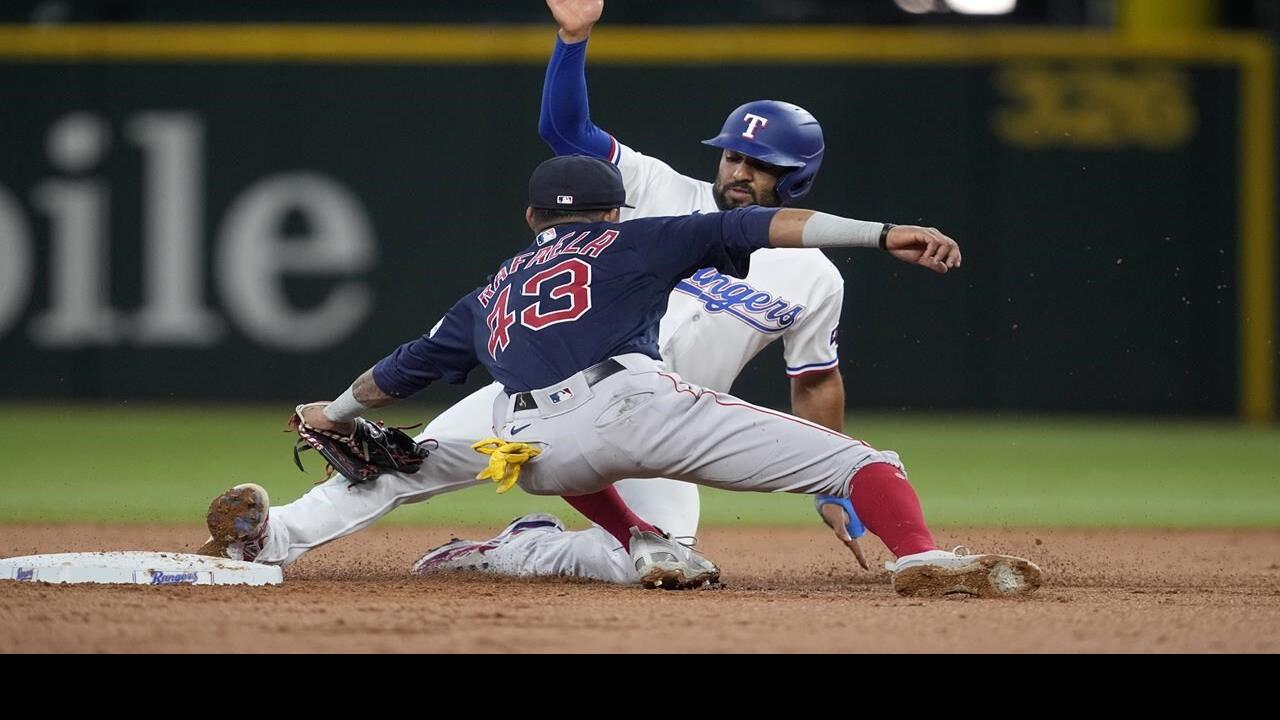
1094, 106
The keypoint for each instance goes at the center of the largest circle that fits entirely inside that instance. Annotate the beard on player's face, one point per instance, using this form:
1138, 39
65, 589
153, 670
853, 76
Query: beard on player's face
749, 196
723, 199
761, 189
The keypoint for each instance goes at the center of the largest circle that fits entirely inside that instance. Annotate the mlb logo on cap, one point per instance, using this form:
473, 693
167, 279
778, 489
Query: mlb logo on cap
564, 199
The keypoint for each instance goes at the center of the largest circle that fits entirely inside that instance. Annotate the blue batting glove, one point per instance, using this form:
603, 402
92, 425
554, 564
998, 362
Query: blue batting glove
855, 528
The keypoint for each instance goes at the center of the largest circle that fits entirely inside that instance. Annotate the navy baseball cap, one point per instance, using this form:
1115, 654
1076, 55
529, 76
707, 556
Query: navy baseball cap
576, 182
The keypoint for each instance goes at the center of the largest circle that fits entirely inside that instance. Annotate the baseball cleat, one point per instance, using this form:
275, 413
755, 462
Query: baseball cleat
237, 522
459, 554
664, 563
938, 572
453, 555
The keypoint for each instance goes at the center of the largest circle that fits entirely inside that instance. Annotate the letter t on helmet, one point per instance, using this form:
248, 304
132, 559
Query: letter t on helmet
777, 133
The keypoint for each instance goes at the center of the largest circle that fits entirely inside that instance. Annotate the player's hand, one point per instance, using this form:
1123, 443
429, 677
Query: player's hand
313, 415
838, 520
576, 17
923, 246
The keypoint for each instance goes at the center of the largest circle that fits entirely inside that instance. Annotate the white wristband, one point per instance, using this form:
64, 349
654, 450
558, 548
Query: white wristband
824, 230
346, 408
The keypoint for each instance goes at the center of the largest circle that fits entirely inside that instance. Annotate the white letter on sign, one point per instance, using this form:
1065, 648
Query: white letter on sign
173, 188
255, 253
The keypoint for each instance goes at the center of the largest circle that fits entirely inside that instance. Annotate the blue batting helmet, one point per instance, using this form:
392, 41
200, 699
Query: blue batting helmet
777, 133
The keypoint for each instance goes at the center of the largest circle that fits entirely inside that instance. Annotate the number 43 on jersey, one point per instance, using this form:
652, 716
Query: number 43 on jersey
567, 279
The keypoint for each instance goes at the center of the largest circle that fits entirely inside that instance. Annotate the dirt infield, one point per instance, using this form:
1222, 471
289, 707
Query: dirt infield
787, 590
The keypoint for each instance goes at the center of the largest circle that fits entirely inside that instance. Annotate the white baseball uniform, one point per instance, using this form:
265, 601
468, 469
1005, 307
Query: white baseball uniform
713, 326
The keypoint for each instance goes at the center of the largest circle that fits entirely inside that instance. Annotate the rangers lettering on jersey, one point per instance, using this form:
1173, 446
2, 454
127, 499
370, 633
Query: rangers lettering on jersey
757, 308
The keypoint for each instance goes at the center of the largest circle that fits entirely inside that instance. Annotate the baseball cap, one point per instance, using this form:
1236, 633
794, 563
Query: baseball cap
576, 182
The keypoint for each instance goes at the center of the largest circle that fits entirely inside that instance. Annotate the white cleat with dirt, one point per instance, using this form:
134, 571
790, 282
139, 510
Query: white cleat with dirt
664, 563
237, 521
936, 573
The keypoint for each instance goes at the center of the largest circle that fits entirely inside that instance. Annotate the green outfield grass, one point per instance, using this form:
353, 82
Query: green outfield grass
156, 464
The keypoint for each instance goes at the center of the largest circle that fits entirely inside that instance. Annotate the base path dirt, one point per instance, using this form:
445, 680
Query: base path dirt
785, 590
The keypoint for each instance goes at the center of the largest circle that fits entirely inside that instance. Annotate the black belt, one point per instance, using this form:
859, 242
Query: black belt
593, 375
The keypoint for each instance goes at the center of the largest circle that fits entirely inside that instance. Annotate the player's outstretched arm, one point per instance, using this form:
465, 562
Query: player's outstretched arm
446, 352
923, 246
564, 121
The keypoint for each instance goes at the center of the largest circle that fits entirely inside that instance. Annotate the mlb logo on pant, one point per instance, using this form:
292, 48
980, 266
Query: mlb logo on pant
560, 395
25, 574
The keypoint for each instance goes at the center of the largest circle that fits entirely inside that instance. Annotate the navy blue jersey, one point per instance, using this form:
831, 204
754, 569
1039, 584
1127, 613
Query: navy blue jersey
581, 293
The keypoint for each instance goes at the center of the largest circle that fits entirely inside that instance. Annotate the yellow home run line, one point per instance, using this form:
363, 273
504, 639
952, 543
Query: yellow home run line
495, 44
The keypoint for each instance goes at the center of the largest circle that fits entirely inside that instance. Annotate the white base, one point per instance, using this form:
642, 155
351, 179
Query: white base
138, 568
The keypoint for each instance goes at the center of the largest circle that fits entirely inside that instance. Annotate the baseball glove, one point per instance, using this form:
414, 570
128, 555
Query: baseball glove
371, 449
